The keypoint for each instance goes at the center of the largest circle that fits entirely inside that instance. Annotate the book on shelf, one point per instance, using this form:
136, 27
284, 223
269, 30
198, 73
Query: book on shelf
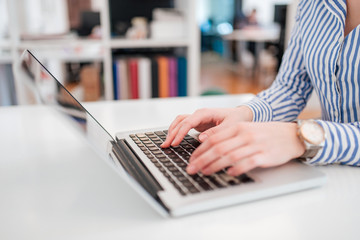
154, 78
134, 87
116, 83
123, 84
164, 84
173, 83
182, 77
121, 73
144, 67
149, 77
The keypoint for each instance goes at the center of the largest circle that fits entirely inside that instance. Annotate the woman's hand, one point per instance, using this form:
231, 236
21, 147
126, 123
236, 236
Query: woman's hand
205, 121
245, 146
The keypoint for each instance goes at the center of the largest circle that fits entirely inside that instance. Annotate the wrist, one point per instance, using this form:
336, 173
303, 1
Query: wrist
299, 145
246, 113
312, 135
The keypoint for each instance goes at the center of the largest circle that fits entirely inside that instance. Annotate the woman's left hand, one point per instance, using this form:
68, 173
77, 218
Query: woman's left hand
245, 146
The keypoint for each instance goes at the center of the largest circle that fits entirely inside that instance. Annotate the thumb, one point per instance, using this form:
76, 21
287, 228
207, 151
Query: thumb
211, 131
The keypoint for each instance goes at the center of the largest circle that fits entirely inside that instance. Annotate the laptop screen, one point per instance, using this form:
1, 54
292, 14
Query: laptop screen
38, 85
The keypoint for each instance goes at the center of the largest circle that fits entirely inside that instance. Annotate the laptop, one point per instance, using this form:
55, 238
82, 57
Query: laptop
157, 174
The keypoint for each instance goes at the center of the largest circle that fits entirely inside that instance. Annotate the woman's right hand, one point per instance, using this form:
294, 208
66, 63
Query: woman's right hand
205, 121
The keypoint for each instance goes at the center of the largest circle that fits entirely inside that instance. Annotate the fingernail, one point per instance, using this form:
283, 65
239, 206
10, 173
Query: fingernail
203, 137
191, 169
173, 144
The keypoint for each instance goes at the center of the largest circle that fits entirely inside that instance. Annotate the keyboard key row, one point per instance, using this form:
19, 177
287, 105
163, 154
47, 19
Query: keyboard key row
172, 162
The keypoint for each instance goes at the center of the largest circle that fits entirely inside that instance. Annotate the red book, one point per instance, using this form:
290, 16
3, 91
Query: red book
134, 87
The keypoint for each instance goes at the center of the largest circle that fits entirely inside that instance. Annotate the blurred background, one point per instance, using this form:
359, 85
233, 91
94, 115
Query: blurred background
128, 49
242, 42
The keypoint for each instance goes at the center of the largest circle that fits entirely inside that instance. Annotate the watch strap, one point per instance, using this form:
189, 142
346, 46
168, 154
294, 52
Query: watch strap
310, 153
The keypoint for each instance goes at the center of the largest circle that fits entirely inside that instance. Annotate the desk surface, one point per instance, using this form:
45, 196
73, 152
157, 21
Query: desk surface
255, 34
53, 186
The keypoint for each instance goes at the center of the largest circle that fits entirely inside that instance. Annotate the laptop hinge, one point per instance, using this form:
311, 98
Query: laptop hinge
131, 163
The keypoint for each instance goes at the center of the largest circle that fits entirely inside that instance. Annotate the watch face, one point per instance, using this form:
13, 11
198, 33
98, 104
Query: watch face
312, 132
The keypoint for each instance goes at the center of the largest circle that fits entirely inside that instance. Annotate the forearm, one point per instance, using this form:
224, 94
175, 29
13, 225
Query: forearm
278, 103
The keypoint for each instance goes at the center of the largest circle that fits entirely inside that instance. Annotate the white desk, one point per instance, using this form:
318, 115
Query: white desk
53, 186
257, 34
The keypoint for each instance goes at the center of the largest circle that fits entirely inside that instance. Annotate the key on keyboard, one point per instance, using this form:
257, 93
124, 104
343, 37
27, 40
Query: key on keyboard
172, 162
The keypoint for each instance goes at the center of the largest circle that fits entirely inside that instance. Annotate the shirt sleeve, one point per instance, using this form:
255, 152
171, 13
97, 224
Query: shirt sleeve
287, 96
341, 144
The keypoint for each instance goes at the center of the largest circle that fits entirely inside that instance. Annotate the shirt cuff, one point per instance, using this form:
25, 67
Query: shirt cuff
262, 112
340, 145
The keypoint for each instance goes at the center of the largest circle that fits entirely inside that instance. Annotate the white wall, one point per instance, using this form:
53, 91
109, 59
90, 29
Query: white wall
3, 19
202, 11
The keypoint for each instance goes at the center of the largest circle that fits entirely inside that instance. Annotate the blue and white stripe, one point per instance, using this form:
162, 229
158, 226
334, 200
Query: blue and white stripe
320, 58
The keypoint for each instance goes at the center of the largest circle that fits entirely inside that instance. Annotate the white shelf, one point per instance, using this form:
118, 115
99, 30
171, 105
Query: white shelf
73, 49
5, 44
67, 52
60, 43
71, 57
5, 59
148, 43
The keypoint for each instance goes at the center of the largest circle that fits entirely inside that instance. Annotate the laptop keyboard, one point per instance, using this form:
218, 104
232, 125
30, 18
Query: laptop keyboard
172, 162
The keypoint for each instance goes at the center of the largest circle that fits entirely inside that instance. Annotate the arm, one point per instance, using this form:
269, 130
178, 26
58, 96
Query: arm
288, 95
341, 144
230, 140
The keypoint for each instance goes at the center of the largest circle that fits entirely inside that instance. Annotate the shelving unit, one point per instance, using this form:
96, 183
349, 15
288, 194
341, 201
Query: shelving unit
77, 50
5, 43
7, 91
5, 52
6, 59
148, 43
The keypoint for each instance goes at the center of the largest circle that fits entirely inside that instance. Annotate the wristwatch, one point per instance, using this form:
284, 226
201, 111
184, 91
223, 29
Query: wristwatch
313, 136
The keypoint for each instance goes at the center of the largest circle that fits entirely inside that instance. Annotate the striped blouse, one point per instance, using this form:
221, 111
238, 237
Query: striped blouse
320, 58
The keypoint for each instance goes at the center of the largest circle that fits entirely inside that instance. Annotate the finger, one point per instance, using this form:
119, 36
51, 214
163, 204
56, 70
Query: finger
177, 120
172, 131
219, 150
223, 133
183, 129
245, 165
211, 131
187, 124
213, 155
211, 152
230, 159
